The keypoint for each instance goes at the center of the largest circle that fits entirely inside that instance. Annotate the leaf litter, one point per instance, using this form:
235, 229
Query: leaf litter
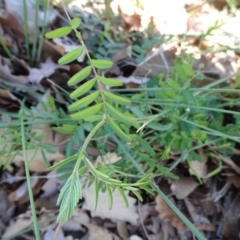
200, 202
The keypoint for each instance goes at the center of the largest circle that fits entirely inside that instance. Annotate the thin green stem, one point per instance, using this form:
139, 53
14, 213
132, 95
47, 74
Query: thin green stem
26, 33
40, 44
87, 141
35, 33
6, 49
30, 193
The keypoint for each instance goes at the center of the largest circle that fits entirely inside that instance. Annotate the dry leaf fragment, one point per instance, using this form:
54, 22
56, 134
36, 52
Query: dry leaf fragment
17, 226
199, 168
201, 222
97, 233
37, 164
183, 187
167, 214
119, 211
109, 158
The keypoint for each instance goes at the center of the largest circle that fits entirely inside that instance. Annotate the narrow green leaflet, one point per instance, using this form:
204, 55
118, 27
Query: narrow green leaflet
96, 193
91, 168
78, 77
110, 81
160, 127
110, 197
116, 129
101, 64
83, 102
115, 98
83, 88
87, 112
65, 129
124, 197
70, 56
60, 32
63, 162
94, 118
118, 115
69, 197
75, 23
138, 195
81, 170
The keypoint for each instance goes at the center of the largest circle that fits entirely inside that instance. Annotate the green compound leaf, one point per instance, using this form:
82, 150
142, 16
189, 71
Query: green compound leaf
69, 197
110, 197
60, 32
101, 64
123, 195
87, 112
116, 129
78, 77
83, 88
83, 102
74, 23
118, 115
70, 56
110, 81
115, 98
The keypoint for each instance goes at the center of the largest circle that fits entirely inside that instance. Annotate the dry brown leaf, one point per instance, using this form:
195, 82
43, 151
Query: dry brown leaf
6, 95
183, 187
21, 223
12, 26
46, 69
17, 8
5, 72
37, 163
199, 168
201, 222
50, 234
167, 214
119, 211
122, 230
97, 233
108, 158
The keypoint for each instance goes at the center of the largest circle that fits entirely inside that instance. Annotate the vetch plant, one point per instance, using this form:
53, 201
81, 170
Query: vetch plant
100, 107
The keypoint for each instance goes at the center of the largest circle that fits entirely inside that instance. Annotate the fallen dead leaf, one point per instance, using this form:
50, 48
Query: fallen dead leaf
122, 230
8, 100
199, 168
167, 214
17, 226
109, 158
119, 211
17, 8
37, 163
183, 187
200, 221
50, 234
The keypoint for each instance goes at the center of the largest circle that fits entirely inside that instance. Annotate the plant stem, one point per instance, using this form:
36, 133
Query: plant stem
26, 33
87, 141
30, 193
